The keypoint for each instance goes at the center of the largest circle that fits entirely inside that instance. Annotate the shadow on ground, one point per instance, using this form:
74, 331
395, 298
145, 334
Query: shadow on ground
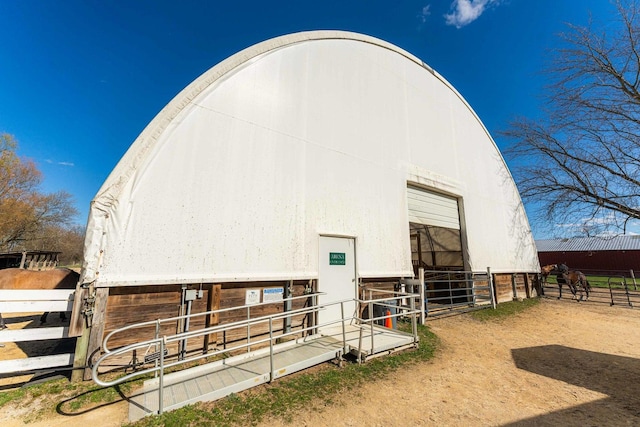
616, 376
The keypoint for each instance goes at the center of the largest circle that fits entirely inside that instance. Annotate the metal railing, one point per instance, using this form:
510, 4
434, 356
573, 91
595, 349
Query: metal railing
188, 318
162, 361
399, 304
618, 286
446, 291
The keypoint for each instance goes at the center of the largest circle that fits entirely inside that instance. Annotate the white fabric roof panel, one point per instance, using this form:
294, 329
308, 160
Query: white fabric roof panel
307, 134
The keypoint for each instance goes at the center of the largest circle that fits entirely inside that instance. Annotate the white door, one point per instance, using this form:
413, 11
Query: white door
337, 277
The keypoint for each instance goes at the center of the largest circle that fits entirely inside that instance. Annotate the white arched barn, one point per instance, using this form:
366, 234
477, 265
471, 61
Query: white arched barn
298, 154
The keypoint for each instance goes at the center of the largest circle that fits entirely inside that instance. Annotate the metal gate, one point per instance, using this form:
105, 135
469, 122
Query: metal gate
448, 292
620, 290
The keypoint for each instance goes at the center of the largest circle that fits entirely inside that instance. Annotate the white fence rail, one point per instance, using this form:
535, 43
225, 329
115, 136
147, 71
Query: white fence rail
29, 301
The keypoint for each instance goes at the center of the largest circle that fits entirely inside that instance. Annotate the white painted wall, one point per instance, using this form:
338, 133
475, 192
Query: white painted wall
307, 134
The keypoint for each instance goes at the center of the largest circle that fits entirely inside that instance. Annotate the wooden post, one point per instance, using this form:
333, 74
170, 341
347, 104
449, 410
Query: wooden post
96, 329
491, 290
213, 303
80, 356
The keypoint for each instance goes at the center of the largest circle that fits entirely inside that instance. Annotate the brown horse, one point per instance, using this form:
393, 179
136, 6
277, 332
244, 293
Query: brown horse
575, 278
572, 278
18, 278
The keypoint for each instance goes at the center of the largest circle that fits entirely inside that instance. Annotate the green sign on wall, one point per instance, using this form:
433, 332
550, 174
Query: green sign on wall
337, 258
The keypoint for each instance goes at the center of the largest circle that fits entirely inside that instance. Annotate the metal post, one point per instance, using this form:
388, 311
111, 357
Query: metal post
161, 379
248, 329
183, 352
626, 291
314, 301
414, 321
491, 292
474, 299
423, 303
360, 344
610, 291
371, 317
287, 306
633, 277
157, 335
271, 373
450, 291
514, 287
344, 334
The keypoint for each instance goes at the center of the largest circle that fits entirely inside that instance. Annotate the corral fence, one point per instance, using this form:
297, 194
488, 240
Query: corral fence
612, 287
17, 302
450, 292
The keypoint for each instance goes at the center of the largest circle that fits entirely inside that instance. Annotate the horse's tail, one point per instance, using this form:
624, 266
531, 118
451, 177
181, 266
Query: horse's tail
587, 284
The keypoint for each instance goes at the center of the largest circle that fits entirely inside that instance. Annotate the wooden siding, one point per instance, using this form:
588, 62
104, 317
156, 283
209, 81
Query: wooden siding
509, 286
130, 305
604, 262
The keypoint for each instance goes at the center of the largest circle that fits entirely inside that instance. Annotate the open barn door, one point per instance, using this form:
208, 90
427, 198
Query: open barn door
434, 222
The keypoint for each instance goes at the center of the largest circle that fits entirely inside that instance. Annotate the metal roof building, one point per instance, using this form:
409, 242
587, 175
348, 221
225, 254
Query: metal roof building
608, 253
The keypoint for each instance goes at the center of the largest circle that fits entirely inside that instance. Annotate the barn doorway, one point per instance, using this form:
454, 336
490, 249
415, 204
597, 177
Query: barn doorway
436, 241
336, 277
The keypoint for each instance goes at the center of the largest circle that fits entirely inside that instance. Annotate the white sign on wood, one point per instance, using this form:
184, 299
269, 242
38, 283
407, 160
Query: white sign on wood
252, 296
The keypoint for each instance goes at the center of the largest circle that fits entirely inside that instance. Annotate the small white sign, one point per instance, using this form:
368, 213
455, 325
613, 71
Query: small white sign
272, 294
252, 296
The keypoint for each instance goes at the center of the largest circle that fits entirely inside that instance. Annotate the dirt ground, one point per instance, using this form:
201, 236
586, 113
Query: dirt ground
559, 363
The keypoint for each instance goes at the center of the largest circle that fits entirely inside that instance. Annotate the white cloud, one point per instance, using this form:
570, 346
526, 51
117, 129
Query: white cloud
53, 162
464, 12
422, 16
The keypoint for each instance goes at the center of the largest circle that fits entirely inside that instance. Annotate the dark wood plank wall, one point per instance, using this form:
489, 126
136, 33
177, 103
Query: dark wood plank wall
503, 287
129, 305
520, 285
526, 286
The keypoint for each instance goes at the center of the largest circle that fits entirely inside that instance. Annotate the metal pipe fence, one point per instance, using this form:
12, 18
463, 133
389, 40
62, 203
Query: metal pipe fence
615, 289
449, 291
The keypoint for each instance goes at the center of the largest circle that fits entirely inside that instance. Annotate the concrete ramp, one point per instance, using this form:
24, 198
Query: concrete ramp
221, 378
365, 342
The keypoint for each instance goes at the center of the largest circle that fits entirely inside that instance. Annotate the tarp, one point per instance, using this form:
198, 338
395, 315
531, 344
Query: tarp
309, 134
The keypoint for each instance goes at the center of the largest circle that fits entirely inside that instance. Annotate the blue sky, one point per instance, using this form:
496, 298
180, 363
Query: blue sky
80, 79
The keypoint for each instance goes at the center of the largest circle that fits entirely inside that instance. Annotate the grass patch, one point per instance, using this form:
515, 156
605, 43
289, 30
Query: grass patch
505, 309
62, 396
283, 398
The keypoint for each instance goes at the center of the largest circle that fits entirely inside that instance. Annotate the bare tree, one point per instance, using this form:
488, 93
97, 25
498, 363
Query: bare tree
69, 241
24, 211
581, 165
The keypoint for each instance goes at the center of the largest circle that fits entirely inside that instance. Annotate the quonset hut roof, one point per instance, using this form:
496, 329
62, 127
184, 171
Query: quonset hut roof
585, 244
315, 133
